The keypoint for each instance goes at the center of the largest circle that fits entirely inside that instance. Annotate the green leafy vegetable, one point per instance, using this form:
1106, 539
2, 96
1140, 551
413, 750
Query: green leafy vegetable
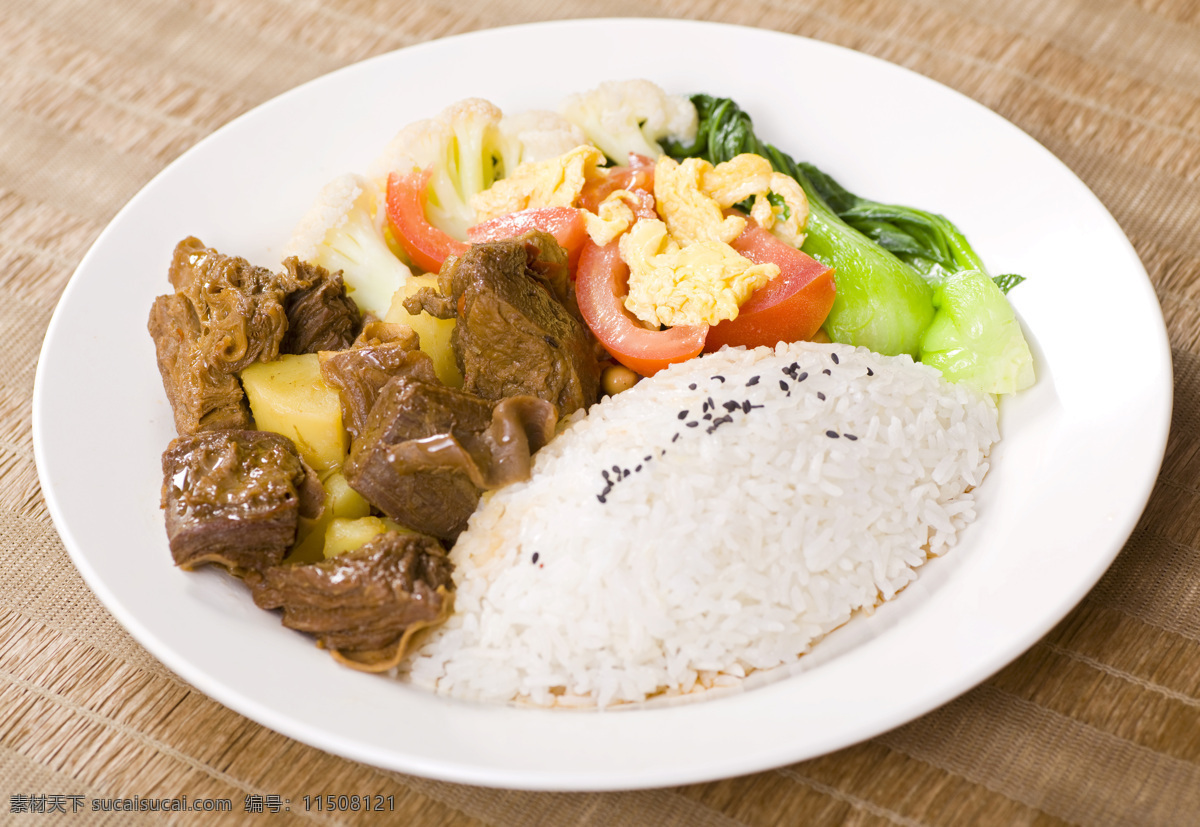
882, 303
894, 266
975, 337
928, 242
1007, 282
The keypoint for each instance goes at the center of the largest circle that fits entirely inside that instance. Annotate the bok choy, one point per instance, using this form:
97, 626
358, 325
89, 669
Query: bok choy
907, 280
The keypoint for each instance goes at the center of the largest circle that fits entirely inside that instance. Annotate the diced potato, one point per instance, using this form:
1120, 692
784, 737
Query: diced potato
289, 397
345, 534
343, 500
434, 332
310, 540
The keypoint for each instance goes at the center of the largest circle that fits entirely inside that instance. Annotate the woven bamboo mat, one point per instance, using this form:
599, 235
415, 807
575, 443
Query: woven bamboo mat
1099, 723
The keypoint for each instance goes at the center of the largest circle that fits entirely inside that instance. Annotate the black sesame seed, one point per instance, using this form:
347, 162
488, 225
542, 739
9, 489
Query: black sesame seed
637, 468
692, 386
833, 356
731, 405
604, 473
536, 555
693, 424
820, 396
719, 378
707, 416
802, 376
827, 372
617, 470
675, 437
870, 372
753, 381
831, 434
647, 458
850, 437
746, 406
719, 422
783, 385
600, 497
683, 414
712, 404
550, 340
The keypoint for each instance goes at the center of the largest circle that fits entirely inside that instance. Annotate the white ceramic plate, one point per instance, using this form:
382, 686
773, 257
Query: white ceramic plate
1080, 451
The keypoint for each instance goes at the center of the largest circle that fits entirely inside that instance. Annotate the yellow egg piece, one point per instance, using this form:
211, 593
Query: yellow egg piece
554, 182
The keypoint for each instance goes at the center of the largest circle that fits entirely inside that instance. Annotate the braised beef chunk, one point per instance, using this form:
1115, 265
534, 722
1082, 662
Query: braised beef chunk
320, 316
381, 352
364, 605
201, 398
518, 330
234, 498
239, 307
428, 451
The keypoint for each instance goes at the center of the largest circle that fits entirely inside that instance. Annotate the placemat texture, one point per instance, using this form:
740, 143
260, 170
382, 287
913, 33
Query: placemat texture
1099, 723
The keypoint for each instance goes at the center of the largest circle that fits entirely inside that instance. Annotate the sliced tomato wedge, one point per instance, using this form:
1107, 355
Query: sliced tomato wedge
601, 283
566, 224
425, 244
639, 175
789, 308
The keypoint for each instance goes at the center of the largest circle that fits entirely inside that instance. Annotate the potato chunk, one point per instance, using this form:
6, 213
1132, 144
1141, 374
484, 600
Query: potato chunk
341, 501
288, 396
344, 534
434, 332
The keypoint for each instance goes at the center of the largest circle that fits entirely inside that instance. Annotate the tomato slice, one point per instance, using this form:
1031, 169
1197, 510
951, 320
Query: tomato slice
425, 244
639, 175
564, 223
789, 308
601, 283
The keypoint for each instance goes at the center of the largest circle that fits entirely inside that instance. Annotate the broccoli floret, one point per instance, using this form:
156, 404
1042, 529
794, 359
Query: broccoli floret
343, 231
628, 116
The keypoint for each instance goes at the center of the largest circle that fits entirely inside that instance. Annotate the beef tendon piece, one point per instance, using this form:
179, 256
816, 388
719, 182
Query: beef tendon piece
518, 330
234, 498
320, 316
428, 452
365, 605
238, 306
380, 353
201, 397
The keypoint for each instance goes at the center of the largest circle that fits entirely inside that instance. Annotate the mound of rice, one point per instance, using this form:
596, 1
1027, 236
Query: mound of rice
716, 519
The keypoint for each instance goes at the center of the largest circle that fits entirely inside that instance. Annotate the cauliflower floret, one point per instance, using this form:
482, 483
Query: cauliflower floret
343, 231
535, 136
704, 282
554, 182
464, 147
622, 117
690, 213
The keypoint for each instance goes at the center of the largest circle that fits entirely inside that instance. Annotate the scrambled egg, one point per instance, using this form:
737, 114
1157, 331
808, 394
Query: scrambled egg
670, 284
691, 214
554, 182
613, 217
682, 269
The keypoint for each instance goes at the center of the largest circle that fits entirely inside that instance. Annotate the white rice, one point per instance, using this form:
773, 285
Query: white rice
715, 551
